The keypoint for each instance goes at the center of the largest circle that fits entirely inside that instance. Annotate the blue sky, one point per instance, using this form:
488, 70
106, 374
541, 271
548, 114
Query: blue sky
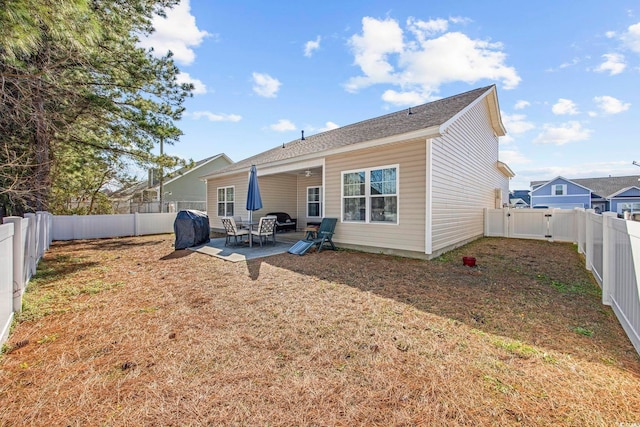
567, 73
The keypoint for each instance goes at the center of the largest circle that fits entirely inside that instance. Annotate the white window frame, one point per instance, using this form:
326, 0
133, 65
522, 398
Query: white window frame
225, 201
318, 202
562, 186
367, 195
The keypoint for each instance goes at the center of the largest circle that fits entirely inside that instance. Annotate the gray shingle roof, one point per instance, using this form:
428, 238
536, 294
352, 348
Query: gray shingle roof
603, 187
422, 117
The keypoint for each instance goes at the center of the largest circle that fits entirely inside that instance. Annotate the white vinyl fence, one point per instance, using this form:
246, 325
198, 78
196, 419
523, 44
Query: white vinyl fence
23, 242
611, 247
76, 227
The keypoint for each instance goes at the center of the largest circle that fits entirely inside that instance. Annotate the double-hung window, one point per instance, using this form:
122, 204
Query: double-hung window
370, 195
314, 202
559, 190
226, 201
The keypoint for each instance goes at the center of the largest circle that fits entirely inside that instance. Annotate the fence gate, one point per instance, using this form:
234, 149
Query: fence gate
529, 223
546, 224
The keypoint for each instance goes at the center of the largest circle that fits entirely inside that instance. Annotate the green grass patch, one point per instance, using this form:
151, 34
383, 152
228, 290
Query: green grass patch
583, 331
517, 348
574, 288
55, 286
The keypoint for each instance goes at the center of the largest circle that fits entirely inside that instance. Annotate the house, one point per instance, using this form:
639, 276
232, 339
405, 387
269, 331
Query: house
413, 183
614, 193
182, 189
520, 199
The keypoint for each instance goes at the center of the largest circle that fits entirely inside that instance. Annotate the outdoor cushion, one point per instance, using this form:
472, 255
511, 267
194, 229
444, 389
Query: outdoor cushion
284, 221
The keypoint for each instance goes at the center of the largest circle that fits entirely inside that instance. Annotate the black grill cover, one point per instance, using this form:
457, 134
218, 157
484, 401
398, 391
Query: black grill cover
191, 228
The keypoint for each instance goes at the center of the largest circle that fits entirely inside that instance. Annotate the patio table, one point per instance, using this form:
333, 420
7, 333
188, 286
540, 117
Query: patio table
249, 226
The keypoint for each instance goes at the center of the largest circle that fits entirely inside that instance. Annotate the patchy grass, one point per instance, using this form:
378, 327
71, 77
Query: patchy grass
119, 332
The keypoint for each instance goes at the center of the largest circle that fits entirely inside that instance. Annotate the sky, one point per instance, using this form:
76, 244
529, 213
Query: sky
567, 74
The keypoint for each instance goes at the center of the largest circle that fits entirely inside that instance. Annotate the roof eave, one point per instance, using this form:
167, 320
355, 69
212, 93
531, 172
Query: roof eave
307, 160
494, 112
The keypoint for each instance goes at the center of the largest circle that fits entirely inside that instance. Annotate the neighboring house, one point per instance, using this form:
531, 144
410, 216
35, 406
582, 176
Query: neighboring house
182, 189
413, 183
614, 193
520, 198
518, 203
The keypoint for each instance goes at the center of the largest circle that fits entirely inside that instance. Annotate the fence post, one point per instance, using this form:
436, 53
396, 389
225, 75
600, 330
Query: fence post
18, 261
589, 239
608, 246
30, 253
136, 223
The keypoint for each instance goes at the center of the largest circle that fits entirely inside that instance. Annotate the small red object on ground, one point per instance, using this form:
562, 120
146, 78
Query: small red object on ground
469, 261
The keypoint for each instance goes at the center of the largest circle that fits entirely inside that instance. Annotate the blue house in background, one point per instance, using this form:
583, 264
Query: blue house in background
520, 199
560, 193
616, 194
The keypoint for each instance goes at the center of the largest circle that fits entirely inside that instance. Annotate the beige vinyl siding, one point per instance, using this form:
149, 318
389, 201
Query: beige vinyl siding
464, 178
409, 233
278, 194
189, 187
303, 183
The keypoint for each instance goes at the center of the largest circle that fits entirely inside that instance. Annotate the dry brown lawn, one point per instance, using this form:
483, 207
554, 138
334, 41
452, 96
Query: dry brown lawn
127, 332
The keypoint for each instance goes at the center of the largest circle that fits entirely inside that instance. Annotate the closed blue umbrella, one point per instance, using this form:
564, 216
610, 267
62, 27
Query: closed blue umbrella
254, 201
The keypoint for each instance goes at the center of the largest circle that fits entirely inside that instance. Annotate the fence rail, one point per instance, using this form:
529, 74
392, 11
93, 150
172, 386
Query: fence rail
23, 242
611, 247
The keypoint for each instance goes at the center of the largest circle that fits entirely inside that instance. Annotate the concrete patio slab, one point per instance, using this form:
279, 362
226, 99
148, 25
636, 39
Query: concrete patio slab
216, 248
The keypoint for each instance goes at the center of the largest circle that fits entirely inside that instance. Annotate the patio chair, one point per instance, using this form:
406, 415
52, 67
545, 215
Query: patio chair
232, 230
325, 233
266, 229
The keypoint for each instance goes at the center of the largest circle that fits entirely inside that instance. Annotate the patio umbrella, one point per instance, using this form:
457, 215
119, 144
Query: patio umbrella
254, 201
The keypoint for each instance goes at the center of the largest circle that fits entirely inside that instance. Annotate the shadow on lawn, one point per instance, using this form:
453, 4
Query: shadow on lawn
537, 293
112, 243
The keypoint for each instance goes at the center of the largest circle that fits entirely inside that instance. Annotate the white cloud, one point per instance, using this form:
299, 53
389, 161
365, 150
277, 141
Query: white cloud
199, 88
610, 34
516, 123
564, 106
283, 125
513, 157
329, 126
378, 40
423, 62
563, 134
613, 64
403, 98
213, 117
424, 29
631, 38
311, 45
611, 105
520, 105
265, 85
177, 33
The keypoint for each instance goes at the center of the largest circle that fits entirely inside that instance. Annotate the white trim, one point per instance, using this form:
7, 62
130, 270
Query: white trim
319, 201
367, 194
505, 169
317, 159
564, 195
494, 113
428, 229
225, 201
623, 190
563, 178
563, 189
